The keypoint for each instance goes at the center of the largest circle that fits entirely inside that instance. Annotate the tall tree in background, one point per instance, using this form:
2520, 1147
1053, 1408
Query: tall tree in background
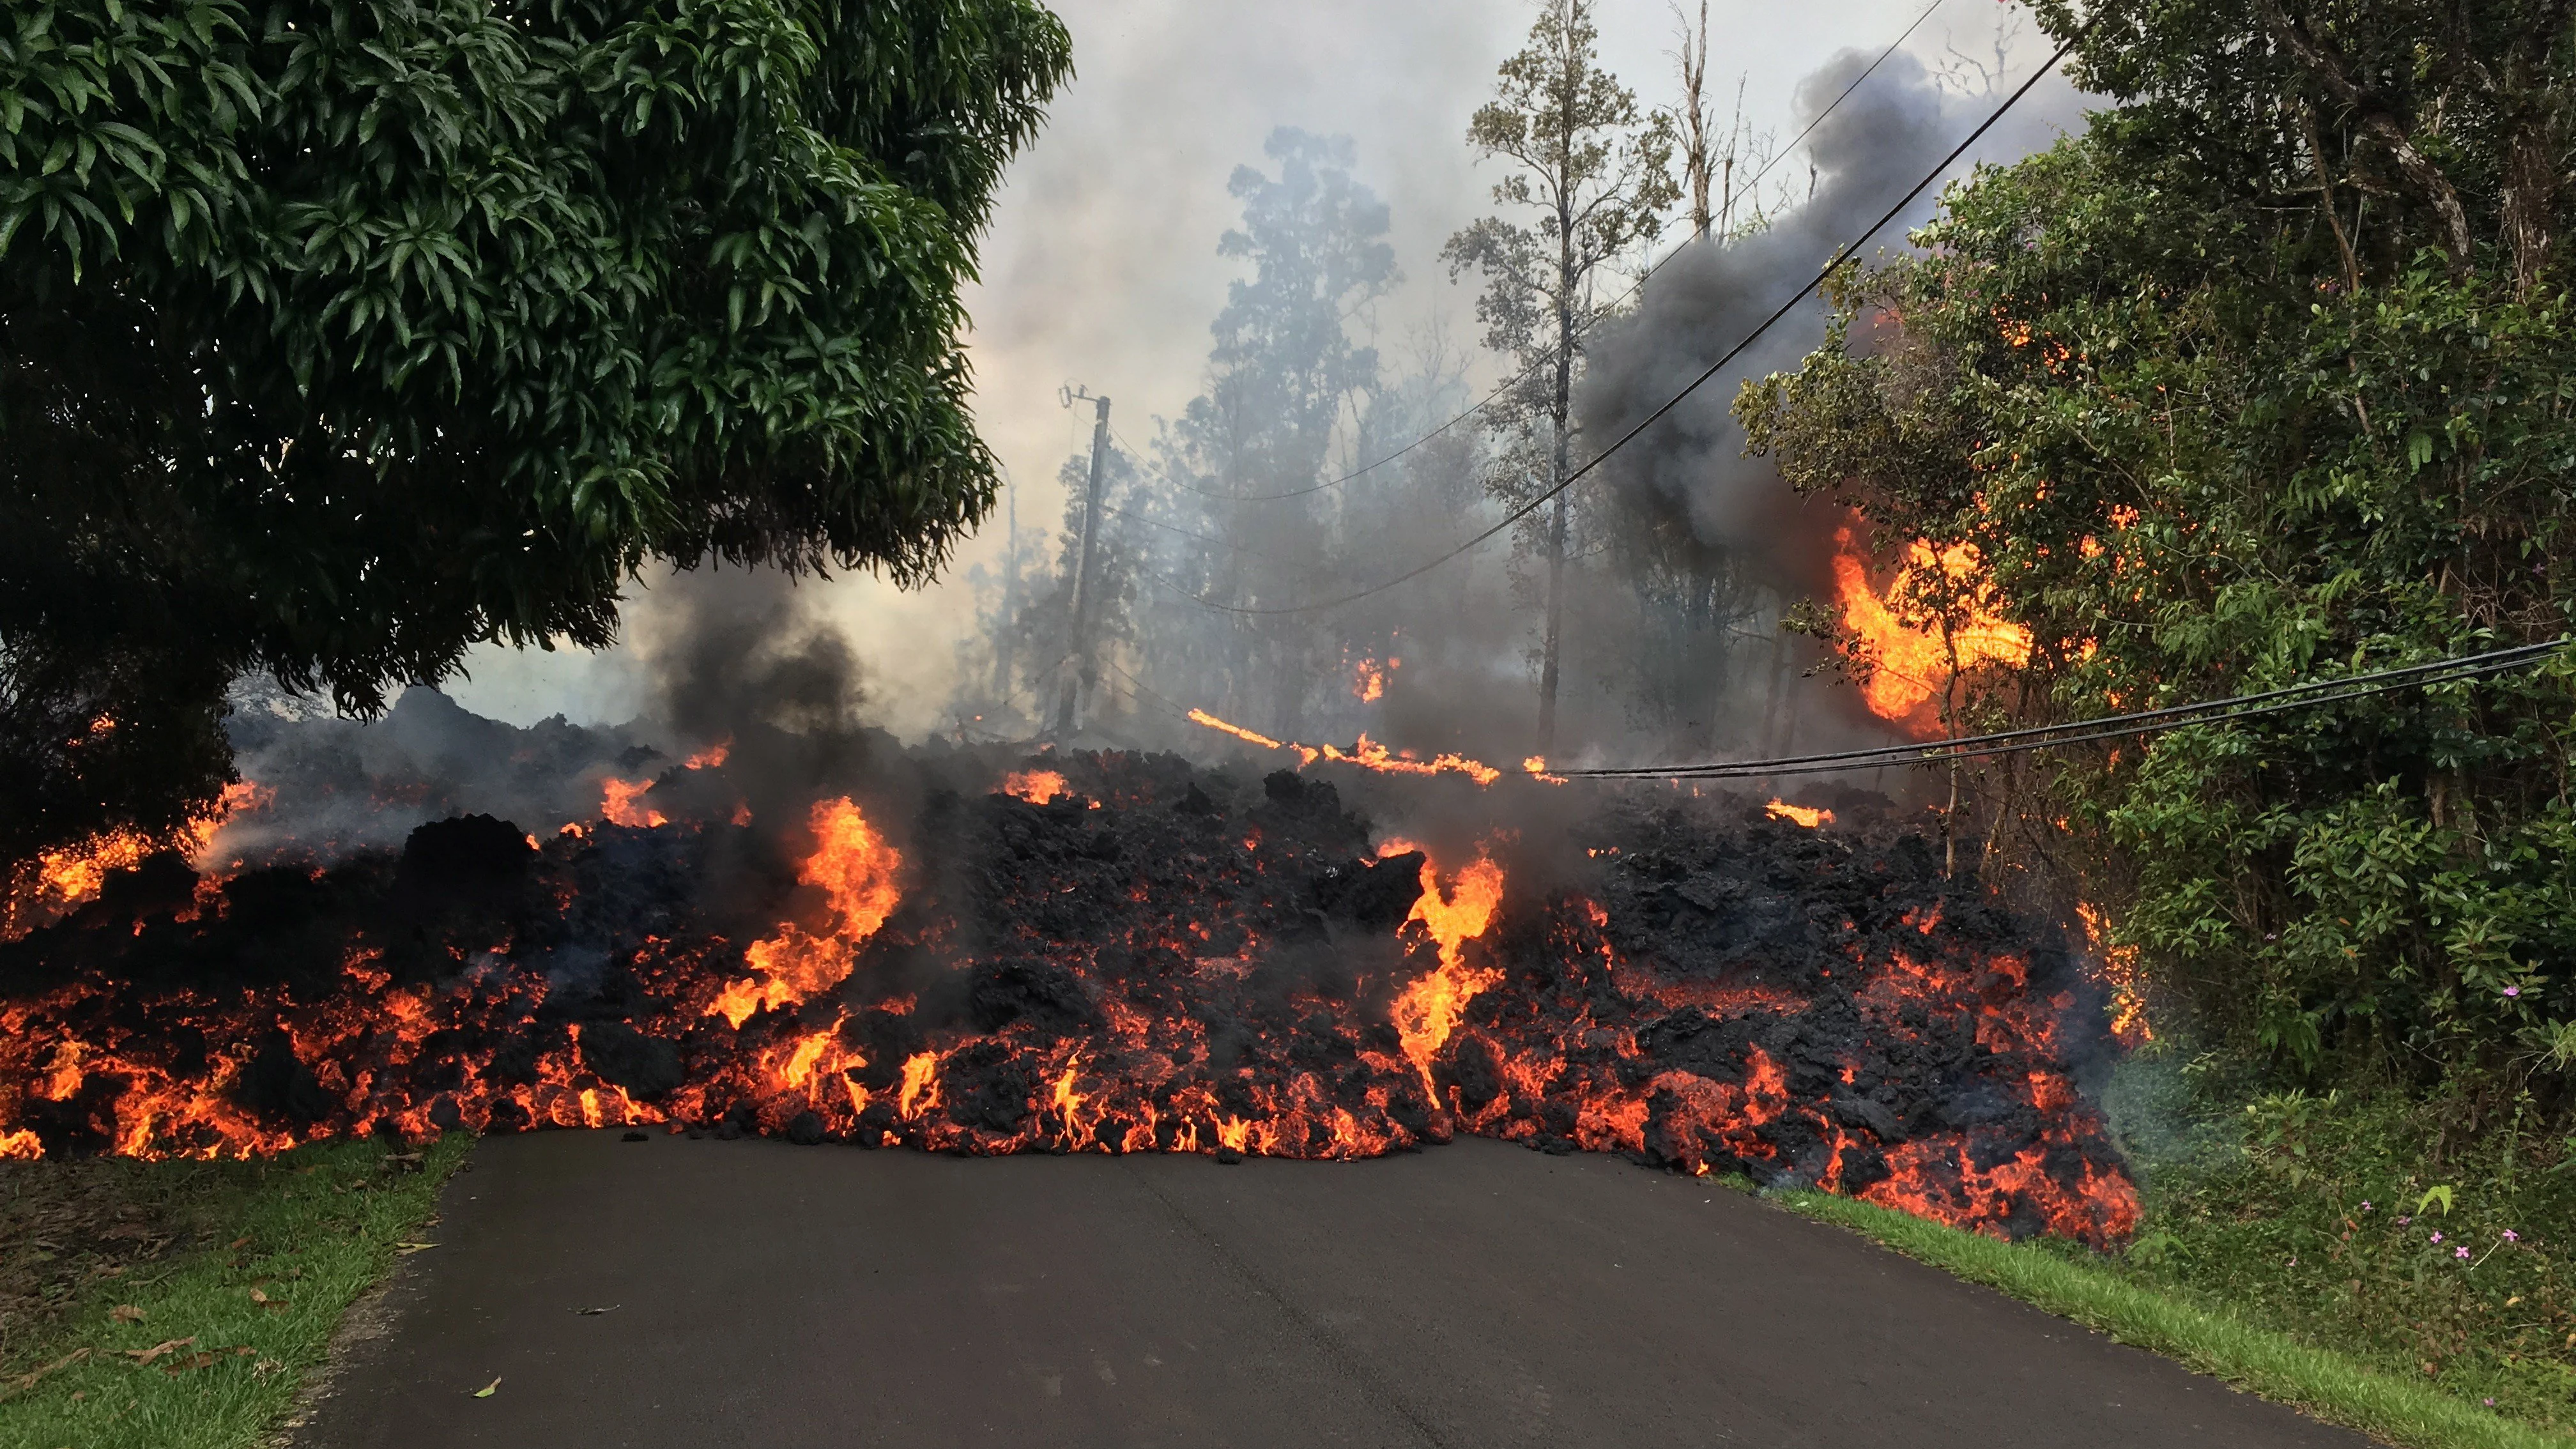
1592, 171
335, 338
1284, 379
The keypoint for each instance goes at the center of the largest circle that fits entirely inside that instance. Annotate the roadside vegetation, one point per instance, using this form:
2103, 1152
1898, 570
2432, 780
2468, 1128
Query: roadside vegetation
180, 1305
2265, 375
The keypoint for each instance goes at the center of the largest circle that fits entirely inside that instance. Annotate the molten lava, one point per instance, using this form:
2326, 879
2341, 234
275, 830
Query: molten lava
1152, 959
1910, 668
1036, 786
1807, 816
856, 871
1429, 1009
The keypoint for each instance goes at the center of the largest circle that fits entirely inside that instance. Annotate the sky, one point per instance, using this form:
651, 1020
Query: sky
1101, 266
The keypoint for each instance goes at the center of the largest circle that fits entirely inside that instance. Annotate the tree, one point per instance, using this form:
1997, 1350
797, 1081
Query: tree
335, 338
1285, 378
1596, 172
2263, 378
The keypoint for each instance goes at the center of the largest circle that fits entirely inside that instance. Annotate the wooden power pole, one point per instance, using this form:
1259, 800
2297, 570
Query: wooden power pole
1078, 648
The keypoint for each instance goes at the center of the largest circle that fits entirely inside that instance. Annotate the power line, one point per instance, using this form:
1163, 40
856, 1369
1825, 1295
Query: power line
2311, 694
1547, 356
1840, 257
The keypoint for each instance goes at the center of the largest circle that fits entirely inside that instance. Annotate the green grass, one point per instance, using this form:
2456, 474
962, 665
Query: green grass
310, 1231
2326, 1383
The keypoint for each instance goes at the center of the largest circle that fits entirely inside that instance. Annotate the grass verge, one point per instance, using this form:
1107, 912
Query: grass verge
2320, 1381
208, 1349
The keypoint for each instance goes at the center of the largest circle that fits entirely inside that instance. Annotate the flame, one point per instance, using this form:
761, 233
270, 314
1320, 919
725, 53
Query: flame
58, 882
1368, 680
856, 870
1036, 786
617, 804
1910, 663
617, 797
1430, 1008
1802, 814
2121, 974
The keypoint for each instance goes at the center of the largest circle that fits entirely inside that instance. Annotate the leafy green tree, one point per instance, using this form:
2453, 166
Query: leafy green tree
1594, 171
335, 338
2268, 376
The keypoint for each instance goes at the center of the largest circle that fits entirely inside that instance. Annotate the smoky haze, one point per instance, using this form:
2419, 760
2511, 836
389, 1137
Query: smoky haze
1105, 267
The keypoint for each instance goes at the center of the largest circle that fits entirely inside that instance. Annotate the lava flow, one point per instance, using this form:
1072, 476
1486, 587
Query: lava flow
981, 954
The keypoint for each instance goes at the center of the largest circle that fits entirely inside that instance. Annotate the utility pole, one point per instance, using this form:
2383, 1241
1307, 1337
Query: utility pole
1078, 648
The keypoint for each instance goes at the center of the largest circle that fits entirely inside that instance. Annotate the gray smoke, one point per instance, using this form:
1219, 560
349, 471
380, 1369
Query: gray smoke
1691, 463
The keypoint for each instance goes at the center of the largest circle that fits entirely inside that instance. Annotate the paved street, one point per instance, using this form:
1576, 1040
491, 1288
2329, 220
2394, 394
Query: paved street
759, 1294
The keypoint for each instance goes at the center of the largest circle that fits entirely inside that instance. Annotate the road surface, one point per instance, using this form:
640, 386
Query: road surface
761, 1294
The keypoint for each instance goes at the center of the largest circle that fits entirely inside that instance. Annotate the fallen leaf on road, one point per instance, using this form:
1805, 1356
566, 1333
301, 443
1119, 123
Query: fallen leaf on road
587, 1312
407, 1249
126, 1313
485, 1392
142, 1356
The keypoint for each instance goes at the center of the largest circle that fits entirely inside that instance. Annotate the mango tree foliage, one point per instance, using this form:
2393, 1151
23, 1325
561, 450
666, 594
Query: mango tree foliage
337, 336
2270, 374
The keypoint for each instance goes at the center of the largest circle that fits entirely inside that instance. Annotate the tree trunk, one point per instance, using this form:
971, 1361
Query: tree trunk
1560, 462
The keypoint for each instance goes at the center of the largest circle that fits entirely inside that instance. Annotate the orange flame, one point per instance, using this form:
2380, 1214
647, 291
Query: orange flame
2119, 972
856, 870
1803, 815
1910, 662
1368, 680
617, 804
1430, 1008
1036, 786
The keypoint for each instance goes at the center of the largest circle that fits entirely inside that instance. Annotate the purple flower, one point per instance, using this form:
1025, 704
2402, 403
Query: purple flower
2513, 991
2401, 1222
2437, 1237
2511, 1236
2490, 1403
2459, 1252
2365, 1206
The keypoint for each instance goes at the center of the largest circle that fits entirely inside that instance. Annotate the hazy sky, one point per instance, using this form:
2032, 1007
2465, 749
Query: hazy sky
1101, 267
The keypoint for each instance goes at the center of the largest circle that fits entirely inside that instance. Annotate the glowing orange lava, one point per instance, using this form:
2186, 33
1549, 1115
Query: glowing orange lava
1036, 786
1910, 665
1802, 814
856, 870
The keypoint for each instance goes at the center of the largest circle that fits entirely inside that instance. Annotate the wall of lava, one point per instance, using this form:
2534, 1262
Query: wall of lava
1093, 953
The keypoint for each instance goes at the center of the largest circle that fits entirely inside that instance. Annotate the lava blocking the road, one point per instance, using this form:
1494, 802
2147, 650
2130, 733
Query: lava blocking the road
1107, 952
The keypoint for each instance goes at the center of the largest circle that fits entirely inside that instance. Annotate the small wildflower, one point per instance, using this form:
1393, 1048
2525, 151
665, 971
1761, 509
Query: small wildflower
2513, 991
2401, 1222
2437, 1236
2365, 1205
2511, 1236
2459, 1252
2490, 1403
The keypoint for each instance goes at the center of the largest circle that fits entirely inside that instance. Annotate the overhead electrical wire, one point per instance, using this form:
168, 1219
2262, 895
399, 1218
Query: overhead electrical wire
1845, 254
1549, 354
2312, 694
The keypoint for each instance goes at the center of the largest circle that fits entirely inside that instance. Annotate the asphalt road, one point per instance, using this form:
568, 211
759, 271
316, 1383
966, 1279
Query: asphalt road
759, 1294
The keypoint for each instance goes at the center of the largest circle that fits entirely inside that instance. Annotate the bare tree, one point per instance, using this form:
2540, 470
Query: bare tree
1595, 169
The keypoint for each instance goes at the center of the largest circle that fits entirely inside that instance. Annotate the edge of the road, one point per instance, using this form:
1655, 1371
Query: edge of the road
2319, 1382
